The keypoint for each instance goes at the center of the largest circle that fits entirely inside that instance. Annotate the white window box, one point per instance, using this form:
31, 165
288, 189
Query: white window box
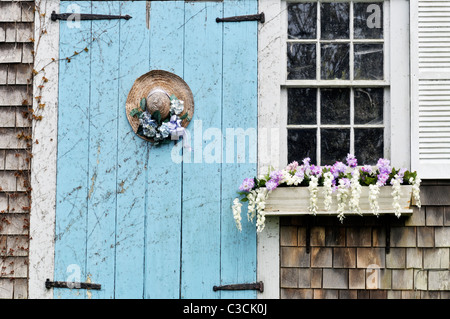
285, 201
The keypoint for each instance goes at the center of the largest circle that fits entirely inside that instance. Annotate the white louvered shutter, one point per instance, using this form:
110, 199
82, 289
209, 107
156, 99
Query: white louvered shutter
430, 88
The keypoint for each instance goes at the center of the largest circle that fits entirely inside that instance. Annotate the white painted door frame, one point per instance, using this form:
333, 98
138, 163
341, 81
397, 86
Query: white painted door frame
43, 163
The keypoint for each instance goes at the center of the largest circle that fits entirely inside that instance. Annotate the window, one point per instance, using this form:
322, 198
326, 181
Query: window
336, 82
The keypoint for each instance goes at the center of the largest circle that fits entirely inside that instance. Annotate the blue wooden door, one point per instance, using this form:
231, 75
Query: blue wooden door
128, 215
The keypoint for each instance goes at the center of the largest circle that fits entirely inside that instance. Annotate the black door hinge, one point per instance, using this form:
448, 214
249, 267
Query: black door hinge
252, 286
71, 285
252, 17
86, 16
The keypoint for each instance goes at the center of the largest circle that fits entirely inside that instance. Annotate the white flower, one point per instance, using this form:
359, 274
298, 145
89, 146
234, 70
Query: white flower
416, 190
237, 213
176, 106
251, 212
342, 196
355, 188
328, 190
374, 191
260, 202
313, 190
396, 192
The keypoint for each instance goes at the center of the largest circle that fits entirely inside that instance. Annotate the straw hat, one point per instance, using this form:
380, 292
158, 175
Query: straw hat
157, 86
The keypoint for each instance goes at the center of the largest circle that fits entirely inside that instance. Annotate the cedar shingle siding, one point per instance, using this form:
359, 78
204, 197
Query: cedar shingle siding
342, 258
16, 33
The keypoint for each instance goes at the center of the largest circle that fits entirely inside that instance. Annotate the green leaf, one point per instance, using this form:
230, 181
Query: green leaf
143, 104
135, 112
173, 97
185, 115
157, 116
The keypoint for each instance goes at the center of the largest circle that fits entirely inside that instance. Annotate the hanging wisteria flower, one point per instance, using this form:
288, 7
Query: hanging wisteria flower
396, 193
247, 185
328, 190
355, 192
374, 192
237, 213
313, 191
342, 195
416, 190
251, 211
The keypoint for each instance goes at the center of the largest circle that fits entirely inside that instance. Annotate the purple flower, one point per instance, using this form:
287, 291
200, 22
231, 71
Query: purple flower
367, 169
351, 160
247, 185
271, 185
382, 179
316, 170
276, 176
337, 168
383, 166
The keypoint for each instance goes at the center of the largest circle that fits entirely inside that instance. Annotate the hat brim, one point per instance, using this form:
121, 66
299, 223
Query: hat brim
169, 82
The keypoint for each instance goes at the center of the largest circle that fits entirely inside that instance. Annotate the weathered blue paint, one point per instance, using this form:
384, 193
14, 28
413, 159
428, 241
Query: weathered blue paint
128, 216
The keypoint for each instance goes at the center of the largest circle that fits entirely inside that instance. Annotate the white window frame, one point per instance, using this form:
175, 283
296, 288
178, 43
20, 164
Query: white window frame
272, 111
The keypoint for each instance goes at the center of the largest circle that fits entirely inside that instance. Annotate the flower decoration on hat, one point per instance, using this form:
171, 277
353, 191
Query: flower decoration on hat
154, 126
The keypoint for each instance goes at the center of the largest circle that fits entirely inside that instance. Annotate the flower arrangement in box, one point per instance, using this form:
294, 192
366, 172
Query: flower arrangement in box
339, 188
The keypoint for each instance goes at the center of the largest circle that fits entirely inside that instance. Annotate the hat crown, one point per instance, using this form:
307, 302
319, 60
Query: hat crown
158, 100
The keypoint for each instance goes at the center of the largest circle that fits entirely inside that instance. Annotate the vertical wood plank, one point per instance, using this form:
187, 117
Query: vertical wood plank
132, 158
104, 111
163, 223
239, 113
72, 158
202, 181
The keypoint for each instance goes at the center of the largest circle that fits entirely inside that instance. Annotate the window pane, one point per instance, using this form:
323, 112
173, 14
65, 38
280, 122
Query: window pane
302, 20
301, 144
335, 20
369, 62
369, 105
335, 61
302, 107
368, 20
301, 61
369, 145
335, 106
334, 145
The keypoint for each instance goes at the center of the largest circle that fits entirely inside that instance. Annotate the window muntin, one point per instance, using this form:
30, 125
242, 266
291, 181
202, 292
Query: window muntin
336, 87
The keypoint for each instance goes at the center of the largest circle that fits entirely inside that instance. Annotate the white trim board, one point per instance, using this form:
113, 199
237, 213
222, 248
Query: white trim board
43, 163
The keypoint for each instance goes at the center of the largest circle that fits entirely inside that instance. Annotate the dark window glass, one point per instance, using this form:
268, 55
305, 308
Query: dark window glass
335, 106
302, 106
335, 20
335, 61
334, 145
301, 61
369, 105
369, 62
369, 145
301, 144
302, 20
